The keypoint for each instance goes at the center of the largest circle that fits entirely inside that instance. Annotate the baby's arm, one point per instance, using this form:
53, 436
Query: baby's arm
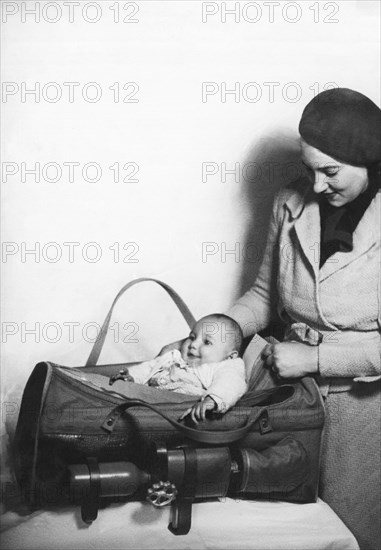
228, 383
227, 386
142, 372
139, 373
198, 411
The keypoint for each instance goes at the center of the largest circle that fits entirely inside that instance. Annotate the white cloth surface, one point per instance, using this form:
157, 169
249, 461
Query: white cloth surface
225, 524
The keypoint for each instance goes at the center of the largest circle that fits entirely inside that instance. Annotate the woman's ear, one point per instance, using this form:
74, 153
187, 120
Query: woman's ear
233, 355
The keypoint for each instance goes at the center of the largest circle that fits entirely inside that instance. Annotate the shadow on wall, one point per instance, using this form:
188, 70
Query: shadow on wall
272, 163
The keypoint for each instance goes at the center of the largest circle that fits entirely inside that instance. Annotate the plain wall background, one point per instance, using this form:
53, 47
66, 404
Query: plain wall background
169, 134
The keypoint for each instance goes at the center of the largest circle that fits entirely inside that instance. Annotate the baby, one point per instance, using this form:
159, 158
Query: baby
206, 365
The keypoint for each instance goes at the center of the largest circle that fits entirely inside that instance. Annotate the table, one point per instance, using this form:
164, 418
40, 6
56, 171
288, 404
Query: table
220, 524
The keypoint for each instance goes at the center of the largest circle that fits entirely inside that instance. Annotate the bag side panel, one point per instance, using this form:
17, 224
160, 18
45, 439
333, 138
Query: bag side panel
25, 447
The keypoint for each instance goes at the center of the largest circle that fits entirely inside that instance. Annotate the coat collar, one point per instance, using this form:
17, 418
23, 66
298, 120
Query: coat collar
297, 200
304, 208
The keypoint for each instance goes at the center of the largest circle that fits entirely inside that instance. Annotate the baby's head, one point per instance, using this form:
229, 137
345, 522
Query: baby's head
213, 338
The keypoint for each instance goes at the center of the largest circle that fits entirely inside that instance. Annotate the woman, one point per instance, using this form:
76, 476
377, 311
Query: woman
321, 275
321, 272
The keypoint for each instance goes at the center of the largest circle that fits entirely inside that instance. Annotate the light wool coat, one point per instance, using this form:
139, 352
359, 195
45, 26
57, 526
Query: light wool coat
338, 305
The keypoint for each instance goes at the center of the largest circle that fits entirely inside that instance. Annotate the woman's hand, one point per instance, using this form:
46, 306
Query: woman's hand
291, 359
198, 411
170, 347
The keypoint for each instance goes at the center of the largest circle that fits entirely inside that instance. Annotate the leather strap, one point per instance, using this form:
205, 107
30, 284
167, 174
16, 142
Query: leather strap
90, 503
202, 436
182, 506
98, 344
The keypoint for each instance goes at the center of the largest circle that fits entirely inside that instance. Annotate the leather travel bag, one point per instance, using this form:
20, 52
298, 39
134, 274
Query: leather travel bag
79, 440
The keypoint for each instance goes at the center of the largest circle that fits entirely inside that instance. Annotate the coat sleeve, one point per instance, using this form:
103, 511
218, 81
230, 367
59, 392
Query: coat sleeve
257, 307
360, 359
228, 383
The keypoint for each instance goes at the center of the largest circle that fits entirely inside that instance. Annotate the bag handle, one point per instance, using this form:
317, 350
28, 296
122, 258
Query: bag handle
202, 436
99, 342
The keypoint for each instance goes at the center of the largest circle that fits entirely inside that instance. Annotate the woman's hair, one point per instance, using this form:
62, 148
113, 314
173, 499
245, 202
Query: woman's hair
374, 175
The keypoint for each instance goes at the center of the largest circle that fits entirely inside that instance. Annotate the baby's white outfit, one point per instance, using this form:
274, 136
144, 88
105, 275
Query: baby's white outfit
224, 381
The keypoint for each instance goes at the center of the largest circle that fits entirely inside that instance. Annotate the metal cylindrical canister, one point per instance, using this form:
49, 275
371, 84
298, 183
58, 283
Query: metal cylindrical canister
213, 471
117, 479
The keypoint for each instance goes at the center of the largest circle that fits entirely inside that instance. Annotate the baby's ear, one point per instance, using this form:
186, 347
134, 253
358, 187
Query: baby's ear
233, 355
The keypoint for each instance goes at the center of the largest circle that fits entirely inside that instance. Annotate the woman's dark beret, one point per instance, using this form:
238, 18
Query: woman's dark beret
345, 125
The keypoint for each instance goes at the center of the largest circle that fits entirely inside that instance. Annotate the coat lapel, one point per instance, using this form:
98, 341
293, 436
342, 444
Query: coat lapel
305, 209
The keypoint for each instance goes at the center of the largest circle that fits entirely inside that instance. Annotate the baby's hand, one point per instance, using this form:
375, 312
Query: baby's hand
122, 375
198, 411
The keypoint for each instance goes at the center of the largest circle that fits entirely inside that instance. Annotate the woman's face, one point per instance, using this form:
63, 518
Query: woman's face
339, 183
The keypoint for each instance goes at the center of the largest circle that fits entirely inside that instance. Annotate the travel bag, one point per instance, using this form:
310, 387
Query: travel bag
79, 440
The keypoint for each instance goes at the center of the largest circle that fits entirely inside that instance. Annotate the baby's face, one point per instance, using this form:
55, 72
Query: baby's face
210, 341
